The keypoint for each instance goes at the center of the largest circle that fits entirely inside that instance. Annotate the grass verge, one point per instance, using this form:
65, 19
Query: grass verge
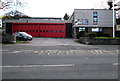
107, 38
19, 42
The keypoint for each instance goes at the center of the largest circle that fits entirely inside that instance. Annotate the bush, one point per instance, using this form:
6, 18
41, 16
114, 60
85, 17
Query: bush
117, 33
97, 34
106, 35
7, 39
91, 35
101, 34
80, 34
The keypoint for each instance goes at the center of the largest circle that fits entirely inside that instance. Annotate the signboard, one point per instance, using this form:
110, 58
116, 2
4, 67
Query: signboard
95, 29
0, 22
81, 22
81, 29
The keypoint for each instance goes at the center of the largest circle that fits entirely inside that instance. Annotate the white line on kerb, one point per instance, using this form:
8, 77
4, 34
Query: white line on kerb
25, 66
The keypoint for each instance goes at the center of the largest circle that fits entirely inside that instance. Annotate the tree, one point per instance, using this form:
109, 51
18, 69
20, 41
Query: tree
14, 15
66, 17
110, 4
6, 4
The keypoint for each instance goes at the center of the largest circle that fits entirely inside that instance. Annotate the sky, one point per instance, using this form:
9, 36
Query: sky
58, 8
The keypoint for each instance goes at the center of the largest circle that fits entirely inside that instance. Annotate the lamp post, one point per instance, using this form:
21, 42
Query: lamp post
113, 20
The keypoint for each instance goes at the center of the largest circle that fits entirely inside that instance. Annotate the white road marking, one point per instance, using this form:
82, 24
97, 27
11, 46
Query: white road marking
86, 58
36, 52
104, 51
59, 52
115, 64
26, 50
3, 50
16, 51
30, 66
118, 51
98, 51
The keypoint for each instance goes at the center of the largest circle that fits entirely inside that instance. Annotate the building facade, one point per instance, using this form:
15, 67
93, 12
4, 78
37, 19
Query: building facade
92, 20
40, 27
88, 20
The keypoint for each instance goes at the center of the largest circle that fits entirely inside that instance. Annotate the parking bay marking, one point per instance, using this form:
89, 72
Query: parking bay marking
104, 51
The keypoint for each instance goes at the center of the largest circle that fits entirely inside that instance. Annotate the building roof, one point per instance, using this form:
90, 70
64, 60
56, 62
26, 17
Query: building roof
48, 18
29, 20
91, 9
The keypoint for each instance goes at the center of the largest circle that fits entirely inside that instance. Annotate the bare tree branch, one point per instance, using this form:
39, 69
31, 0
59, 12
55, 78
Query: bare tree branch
117, 9
6, 4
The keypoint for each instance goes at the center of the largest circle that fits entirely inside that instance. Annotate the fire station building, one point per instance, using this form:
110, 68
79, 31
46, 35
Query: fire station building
88, 20
40, 27
92, 20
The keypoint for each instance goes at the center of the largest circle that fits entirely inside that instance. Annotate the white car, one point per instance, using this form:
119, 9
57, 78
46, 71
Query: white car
22, 36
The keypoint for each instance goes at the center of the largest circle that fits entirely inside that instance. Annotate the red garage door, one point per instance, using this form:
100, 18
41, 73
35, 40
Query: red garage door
52, 30
30, 28
41, 29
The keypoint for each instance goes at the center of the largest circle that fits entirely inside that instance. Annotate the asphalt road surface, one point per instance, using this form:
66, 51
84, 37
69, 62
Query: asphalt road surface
57, 58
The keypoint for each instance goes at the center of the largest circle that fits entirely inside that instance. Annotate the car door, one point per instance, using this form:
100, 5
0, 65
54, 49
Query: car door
19, 36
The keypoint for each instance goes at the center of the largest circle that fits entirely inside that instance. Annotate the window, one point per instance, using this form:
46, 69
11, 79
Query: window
36, 30
57, 31
40, 30
51, 31
95, 18
95, 14
62, 31
43, 30
20, 34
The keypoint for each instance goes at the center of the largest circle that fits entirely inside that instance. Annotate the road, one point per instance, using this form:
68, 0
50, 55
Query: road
57, 58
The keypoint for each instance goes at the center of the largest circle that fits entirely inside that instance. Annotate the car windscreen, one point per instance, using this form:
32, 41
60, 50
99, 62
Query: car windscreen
23, 33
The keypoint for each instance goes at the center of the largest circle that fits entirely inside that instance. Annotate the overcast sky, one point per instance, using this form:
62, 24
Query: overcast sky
57, 8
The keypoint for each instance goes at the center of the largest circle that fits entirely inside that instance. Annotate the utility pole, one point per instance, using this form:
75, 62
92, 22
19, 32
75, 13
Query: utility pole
113, 19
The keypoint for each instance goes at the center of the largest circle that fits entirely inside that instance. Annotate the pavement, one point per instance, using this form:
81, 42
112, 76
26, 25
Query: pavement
59, 58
